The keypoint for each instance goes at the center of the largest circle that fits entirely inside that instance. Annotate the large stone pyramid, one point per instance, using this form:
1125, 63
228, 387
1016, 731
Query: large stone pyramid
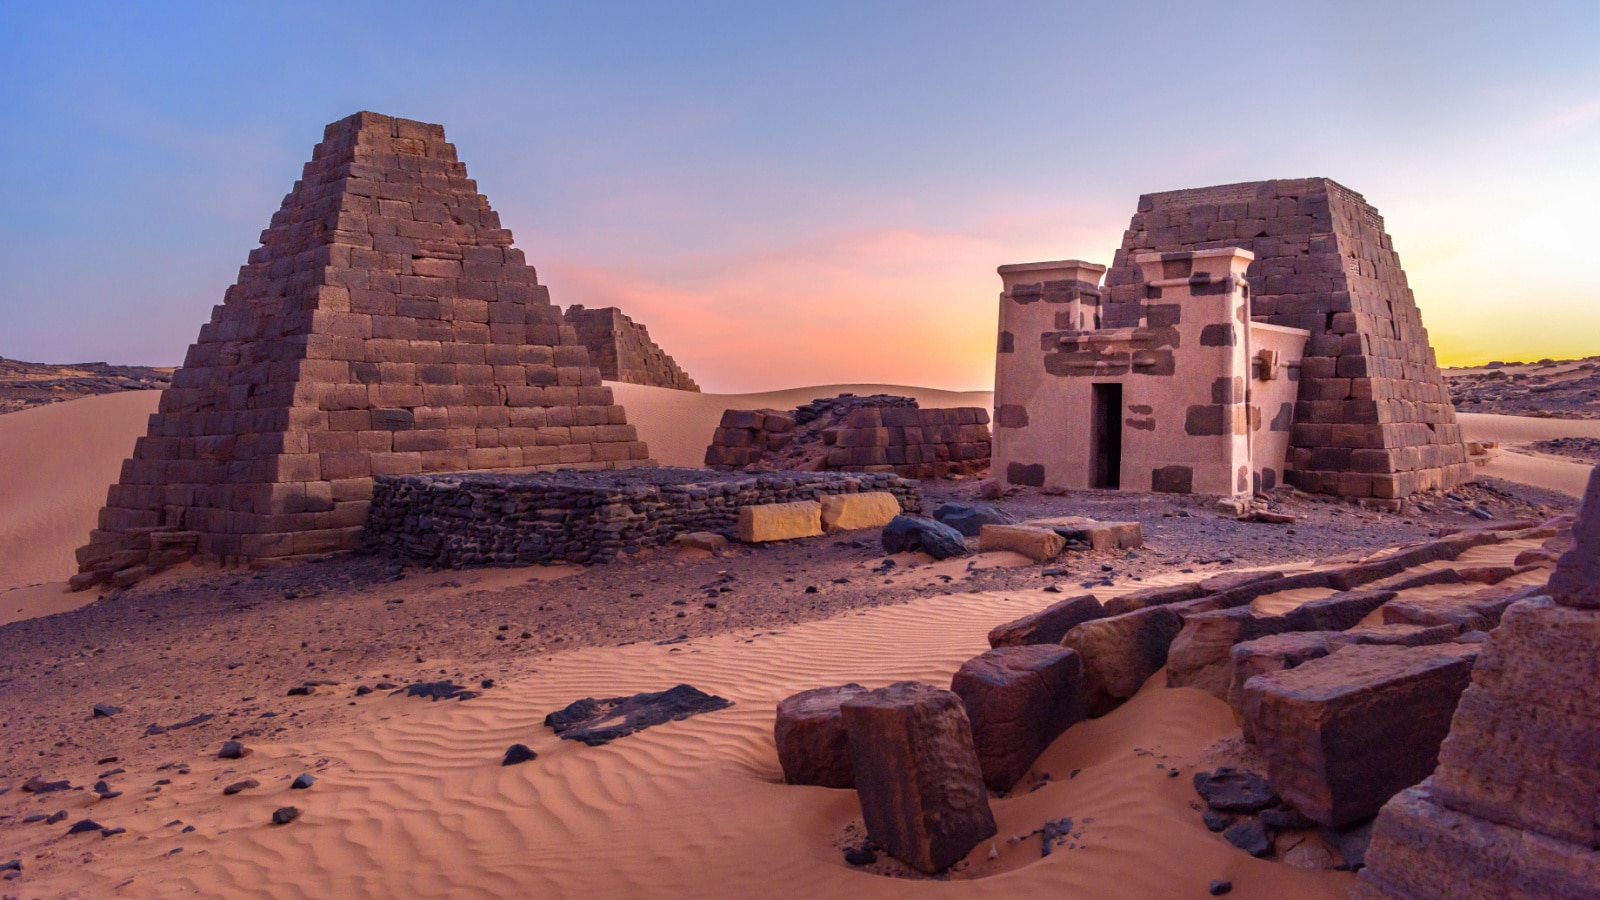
385, 326
1374, 418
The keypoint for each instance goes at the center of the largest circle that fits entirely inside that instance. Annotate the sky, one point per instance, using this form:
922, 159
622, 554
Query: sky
803, 193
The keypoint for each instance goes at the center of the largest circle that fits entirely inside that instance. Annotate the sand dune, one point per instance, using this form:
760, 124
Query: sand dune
56, 462
412, 801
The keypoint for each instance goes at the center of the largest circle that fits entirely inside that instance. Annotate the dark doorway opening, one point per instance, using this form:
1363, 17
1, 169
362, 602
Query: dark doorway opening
1105, 437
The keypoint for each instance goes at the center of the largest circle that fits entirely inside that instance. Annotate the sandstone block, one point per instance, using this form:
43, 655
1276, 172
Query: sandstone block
1121, 652
1477, 610
917, 774
1344, 733
1038, 544
1048, 625
1018, 700
1576, 580
1422, 850
1100, 536
1201, 652
848, 512
780, 521
813, 743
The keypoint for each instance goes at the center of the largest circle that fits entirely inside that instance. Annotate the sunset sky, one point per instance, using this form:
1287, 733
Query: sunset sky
806, 193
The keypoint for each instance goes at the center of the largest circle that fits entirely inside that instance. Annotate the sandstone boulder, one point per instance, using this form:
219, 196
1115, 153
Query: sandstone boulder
1476, 610
1048, 625
1121, 652
1344, 733
1576, 580
906, 534
780, 521
1018, 700
968, 519
917, 774
1037, 544
850, 512
813, 743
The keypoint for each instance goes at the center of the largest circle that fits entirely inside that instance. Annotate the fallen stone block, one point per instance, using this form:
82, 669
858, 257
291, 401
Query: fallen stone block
1048, 625
1018, 700
1037, 544
595, 722
780, 521
1576, 580
1337, 612
1200, 654
906, 534
1120, 653
968, 519
1274, 653
708, 541
1479, 610
1524, 750
1391, 564
917, 774
1344, 733
1100, 536
1157, 596
851, 512
1423, 850
813, 743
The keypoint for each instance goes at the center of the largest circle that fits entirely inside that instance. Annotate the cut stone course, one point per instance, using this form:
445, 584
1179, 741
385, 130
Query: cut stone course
1120, 653
385, 326
1048, 625
622, 350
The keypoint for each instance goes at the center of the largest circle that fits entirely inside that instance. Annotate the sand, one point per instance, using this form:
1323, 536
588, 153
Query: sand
56, 462
1513, 463
411, 799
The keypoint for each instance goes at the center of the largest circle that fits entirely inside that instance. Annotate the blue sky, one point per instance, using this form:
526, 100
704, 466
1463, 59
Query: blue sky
805, 193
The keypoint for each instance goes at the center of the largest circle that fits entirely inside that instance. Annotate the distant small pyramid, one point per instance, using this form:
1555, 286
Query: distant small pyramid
385, 326
623, 351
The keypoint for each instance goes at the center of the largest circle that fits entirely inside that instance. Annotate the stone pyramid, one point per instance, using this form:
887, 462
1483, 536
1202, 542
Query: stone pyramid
1513, 809
1374, 418
385, 326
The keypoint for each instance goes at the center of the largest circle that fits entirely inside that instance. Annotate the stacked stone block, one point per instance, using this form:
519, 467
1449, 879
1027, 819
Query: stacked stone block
621, 348
498, 519
385, 326
1374, 418
743, 436
912, 442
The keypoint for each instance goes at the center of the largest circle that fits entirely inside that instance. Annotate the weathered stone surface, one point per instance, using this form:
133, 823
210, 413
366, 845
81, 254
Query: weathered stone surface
1157, 596
623, 351
849, 512
917, 774
813, 743
1037, 544
1121, 652
1018, 700
905, 534
1337, 612
1422, 850
1048, 625
1231, 790
1524, 750
780, 521
968, 519
708, 541
1200, 654
595, 722
1476, 610
1100, 536
1344, 733
1576, 580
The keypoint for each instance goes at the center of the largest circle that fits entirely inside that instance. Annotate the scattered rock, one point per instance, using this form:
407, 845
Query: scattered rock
237, 786
301, 690
109, 832
1048, 625
439, 690
37, 785
518, 753
232, 750
1351, 841
1250, 837
905, 534
302, 781
860, 856
813, 743
1216, 821
1018, 700
708, 541
917, 774
1233, 790
1218, 888
1309, 856
283, 815
585, 720
969, 519
1284, 816
84, 825
105, 710
363, 690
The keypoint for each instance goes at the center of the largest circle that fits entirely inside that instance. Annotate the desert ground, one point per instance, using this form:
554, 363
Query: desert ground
410, 797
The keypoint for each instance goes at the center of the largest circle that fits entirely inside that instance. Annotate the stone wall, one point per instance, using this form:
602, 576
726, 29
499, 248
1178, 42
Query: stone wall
385, 326
623, 351
489, 519
914, 443
1373, 418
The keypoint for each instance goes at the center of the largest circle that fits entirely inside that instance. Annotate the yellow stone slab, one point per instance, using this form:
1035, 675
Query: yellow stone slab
1037, 544
780, 521
847, 512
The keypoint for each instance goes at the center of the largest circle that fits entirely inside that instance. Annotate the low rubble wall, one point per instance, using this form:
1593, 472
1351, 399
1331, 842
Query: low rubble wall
466, 519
